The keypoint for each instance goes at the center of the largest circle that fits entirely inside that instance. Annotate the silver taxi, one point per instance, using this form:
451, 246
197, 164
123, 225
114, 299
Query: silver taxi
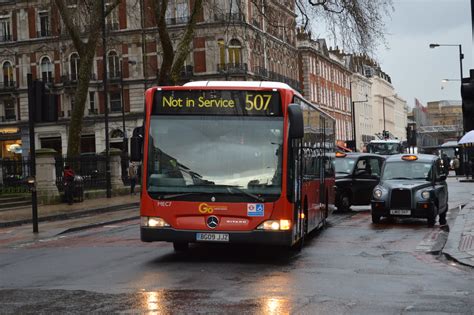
411, 185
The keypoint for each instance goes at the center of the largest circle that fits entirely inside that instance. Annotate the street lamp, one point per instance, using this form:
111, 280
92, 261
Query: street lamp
383, 105
108, 182
461, 55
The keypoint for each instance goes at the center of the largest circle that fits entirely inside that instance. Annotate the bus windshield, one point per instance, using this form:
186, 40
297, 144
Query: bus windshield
214, 154
387, 148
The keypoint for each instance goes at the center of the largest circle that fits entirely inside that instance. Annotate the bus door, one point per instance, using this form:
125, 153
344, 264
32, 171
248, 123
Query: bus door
322, 177
295, 165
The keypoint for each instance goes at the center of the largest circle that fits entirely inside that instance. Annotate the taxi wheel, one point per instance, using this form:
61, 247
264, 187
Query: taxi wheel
375, 218
442, 218
431, 220
344, 202
180, 246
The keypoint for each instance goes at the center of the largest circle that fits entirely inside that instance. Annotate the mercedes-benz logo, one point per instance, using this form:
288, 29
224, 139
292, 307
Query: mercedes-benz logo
213, 199
212, 222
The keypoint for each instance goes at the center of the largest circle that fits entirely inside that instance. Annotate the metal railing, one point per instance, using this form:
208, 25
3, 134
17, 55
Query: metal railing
91, 167
232, 68
14, 174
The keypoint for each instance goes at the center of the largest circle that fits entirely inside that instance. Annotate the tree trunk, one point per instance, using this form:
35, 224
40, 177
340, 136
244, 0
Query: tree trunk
80, 98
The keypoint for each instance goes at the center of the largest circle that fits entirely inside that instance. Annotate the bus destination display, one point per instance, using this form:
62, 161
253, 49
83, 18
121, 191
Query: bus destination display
218, 102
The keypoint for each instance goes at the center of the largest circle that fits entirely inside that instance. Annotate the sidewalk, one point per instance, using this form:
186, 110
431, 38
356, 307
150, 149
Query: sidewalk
64, 211
460, 243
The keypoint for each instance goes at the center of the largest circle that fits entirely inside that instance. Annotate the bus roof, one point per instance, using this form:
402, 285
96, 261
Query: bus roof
254, 84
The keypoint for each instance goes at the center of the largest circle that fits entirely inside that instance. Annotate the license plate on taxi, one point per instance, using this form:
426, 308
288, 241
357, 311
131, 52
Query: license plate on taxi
212, 237
400, 212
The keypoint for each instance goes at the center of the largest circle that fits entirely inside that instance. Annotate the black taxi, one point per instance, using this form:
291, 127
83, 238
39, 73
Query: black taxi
411, 185
356, 176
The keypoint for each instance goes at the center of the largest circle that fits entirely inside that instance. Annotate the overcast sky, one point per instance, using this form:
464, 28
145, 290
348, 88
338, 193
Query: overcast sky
415, 69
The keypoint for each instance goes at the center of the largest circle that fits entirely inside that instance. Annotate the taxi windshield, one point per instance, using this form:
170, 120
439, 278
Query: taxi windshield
407, 170
344, 165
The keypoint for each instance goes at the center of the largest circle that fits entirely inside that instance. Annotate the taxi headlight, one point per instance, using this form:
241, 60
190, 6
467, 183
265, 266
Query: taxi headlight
275, 225
377, 193
154, 222
425, 194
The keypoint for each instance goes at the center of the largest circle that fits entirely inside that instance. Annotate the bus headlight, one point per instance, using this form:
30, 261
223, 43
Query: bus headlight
425, 194
154, 222
275, 225
377, 193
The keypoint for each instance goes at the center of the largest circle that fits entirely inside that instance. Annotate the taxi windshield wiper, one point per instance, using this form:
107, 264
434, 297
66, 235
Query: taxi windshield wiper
400, 178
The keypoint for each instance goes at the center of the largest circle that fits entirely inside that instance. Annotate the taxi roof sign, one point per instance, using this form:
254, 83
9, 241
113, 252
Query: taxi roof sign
340, 154
409, 157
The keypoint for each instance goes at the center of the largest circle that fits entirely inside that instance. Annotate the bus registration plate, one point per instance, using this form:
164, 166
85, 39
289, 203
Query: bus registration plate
212, 237
400, 212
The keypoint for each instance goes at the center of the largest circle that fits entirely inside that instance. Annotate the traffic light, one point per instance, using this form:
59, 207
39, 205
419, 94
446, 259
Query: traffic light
467, 93
44, 104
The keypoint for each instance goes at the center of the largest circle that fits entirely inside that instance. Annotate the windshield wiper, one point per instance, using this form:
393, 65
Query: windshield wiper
229, 187
400, 178
169, 196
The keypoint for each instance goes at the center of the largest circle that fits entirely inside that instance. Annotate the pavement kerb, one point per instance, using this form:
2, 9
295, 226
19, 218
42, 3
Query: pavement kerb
451, 248
75, 214
93, 225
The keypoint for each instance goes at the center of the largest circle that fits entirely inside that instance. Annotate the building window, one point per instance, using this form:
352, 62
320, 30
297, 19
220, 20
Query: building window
5, 30
46, 70
235, 52
8, 74
111, 20
10, 113
52, 143
92, 109
177, 12
222, 60
113, 65
115, 102
74, 66
43, 24
88, 144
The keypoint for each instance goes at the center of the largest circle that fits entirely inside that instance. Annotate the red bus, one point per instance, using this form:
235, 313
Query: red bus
235, 162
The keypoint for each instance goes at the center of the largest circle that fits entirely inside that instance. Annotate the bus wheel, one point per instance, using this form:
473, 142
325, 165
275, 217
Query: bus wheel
180, 246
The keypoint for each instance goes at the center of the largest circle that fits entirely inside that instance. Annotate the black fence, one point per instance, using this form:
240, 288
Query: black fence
90, 167
14, 174
92, 170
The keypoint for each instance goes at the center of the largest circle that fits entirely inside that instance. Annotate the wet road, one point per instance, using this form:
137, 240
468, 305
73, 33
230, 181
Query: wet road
351, 267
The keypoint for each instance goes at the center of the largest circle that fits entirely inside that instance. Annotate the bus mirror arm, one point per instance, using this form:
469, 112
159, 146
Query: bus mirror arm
295, 117
136, 145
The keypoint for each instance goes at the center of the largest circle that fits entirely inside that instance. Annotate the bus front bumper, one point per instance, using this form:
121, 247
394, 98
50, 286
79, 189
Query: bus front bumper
255, 237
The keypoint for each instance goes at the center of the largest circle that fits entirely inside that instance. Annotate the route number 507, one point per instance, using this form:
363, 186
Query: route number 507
257, 102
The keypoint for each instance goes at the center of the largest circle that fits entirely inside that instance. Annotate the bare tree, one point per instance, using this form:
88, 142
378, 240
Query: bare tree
357, 25
82, 22
173, 60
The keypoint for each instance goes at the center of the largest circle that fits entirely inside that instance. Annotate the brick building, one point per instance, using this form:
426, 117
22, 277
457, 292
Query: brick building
325, 77
232, 41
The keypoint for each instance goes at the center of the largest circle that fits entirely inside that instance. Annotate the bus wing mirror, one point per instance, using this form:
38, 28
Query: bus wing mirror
295, 116
136, 145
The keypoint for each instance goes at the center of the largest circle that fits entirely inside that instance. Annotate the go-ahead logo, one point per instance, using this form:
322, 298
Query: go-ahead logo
205, 208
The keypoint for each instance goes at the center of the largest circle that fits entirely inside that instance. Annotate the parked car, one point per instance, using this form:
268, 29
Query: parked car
356, 176
411, 186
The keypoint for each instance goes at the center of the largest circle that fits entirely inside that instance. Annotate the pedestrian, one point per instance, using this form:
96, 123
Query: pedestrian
68, 184
132, 175
446, 161
456, 165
